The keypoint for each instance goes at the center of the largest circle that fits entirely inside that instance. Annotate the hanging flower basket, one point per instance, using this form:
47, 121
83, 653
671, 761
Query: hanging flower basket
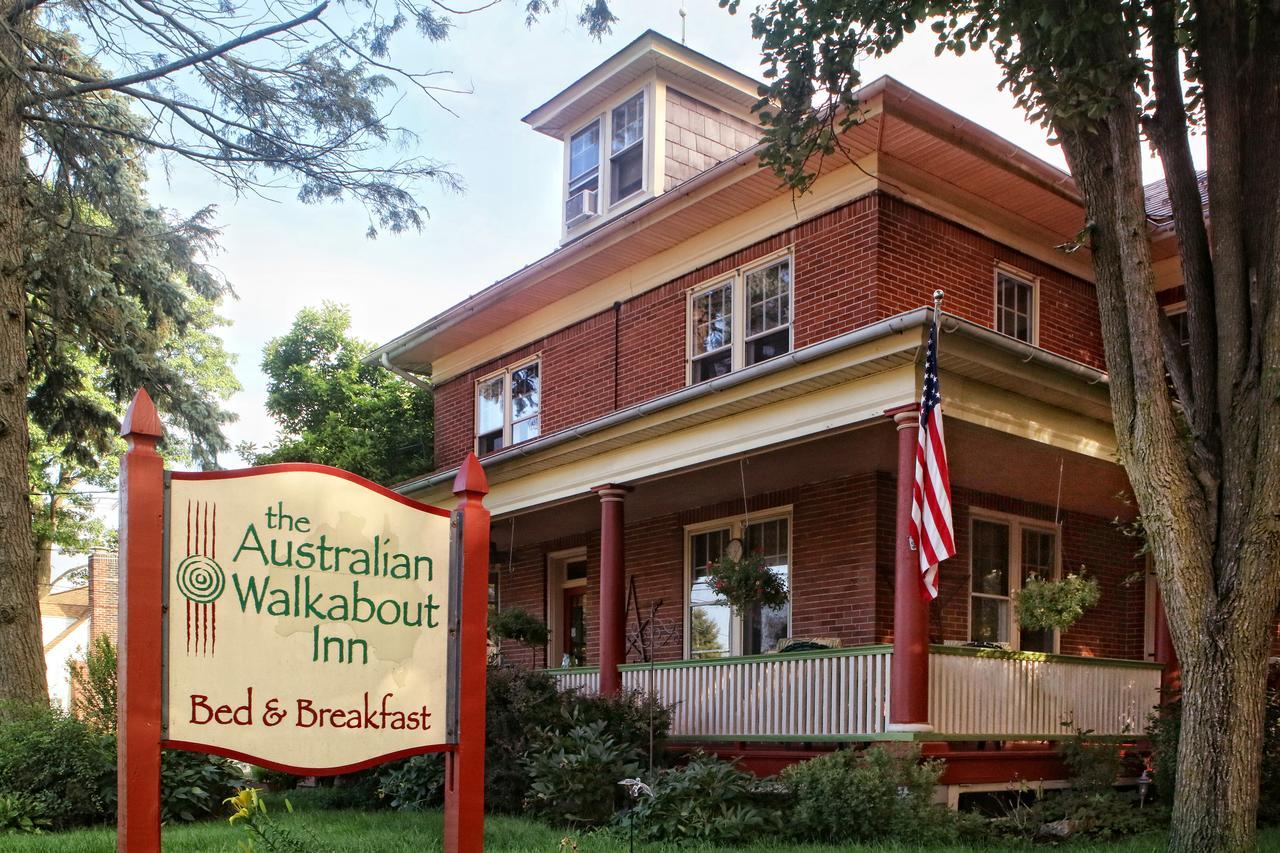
1043, 604
746, 582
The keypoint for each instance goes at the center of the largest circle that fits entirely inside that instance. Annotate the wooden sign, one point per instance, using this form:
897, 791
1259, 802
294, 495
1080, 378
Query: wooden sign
298, 617
308, 616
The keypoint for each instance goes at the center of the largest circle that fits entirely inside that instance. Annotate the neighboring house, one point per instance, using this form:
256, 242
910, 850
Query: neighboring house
707, 357
80, 605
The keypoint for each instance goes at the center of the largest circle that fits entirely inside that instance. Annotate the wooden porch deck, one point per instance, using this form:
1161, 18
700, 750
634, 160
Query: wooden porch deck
843, 695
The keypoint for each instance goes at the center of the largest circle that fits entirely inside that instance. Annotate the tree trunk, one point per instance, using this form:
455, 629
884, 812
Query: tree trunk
1223, 708
22, 669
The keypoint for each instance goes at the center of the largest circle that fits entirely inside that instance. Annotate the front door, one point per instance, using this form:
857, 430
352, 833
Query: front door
574, 610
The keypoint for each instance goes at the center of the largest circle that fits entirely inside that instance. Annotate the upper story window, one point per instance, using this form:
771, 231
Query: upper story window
742, 320
584, 159
1015, 307
508, 407
626, 148
1004, 553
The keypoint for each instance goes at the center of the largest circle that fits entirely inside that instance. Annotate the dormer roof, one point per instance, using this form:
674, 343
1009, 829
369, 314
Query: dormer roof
651, 50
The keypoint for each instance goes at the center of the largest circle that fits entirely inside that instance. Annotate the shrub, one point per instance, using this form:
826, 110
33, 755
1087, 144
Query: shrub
705, 801
522, 706
518, 625
413, 784
21, 813
873, 794
194, 785
574, 776
61, 763
95, 685
638, 721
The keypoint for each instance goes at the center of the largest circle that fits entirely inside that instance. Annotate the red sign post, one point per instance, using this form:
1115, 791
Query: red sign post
145, 588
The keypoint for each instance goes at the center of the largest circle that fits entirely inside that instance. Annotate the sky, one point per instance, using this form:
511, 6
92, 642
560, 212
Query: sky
281, 255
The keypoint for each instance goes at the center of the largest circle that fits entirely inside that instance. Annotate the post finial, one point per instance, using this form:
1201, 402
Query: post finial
937, 297
142, 419
471, 478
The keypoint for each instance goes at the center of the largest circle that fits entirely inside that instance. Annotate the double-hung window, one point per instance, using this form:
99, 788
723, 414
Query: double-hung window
711, 627
508, 407
1015, 307
626, 148
1004, 553
584, 159
741, 320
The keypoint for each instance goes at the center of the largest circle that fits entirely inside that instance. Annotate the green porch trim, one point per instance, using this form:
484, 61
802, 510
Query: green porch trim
852, 651
1002, 654
918, 737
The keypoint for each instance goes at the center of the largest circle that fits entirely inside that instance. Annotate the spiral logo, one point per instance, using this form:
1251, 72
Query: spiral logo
200, 579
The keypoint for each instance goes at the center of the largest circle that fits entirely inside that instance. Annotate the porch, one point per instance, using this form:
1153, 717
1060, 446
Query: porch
843, 695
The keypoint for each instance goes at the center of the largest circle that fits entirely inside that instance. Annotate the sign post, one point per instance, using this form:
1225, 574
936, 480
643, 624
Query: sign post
301, 618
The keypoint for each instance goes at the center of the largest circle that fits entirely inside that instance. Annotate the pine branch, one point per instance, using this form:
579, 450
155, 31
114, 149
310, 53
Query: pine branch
179, 64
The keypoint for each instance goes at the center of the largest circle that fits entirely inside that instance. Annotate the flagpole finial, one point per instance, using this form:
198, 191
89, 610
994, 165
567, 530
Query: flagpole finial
937, 297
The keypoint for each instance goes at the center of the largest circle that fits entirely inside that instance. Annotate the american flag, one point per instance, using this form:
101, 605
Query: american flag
931, 531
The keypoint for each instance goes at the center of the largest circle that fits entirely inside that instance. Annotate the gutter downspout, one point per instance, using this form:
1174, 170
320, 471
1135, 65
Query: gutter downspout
405, 375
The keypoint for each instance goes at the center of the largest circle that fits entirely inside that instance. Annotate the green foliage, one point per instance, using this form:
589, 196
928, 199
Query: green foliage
413, 784
249, 811
95, 685
865, 795
705, 801
518, 625
194, 785
526, 713
574, 775
334, 409
60, 763
747, 582
1043, 604
21, 814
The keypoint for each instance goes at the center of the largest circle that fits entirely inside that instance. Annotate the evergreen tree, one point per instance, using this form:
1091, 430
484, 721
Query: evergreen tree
258, 94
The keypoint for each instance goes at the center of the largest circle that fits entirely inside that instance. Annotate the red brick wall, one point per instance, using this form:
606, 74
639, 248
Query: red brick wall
104, 595
1114, 628
867, 260
842, 570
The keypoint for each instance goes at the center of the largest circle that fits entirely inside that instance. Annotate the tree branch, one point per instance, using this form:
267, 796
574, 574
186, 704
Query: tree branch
179, 64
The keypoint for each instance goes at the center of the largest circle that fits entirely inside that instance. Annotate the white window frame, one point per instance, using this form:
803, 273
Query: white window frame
1016, 524
570, 191
604, 188
507, 422
1024, 278
737, 279
646, 105
737, 526
557, 583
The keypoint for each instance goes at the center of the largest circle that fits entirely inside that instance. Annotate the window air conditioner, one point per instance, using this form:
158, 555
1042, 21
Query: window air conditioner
580, 207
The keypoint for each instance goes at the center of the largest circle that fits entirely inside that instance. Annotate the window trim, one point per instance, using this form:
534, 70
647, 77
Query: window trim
649, 89
1016, 524
1026, 278
737, 278
508, 423
556, 584
737, 529
646, 105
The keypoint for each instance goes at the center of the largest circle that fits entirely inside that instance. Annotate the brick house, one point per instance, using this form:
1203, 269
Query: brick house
706, 358
77, 607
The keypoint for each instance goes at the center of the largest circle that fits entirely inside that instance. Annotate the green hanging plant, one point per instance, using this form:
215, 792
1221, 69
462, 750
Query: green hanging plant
746, 582
518, 625
1043, 604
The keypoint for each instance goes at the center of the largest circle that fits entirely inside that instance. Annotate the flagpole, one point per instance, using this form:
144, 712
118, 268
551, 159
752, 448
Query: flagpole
937, 309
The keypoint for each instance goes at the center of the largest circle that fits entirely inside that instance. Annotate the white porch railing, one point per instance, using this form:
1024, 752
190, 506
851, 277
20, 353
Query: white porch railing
981, 692
828, 695
843, 694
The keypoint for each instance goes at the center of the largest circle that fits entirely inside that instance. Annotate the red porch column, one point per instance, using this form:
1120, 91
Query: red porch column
1166, 655
613, 601
909, 676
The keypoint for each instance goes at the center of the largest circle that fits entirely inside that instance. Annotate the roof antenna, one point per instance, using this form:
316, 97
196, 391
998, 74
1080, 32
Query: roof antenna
683, 17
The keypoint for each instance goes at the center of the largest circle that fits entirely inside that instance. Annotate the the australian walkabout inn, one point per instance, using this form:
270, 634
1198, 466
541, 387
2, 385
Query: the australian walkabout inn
707, 358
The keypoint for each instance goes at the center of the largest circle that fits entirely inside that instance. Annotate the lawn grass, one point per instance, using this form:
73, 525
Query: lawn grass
393, 832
